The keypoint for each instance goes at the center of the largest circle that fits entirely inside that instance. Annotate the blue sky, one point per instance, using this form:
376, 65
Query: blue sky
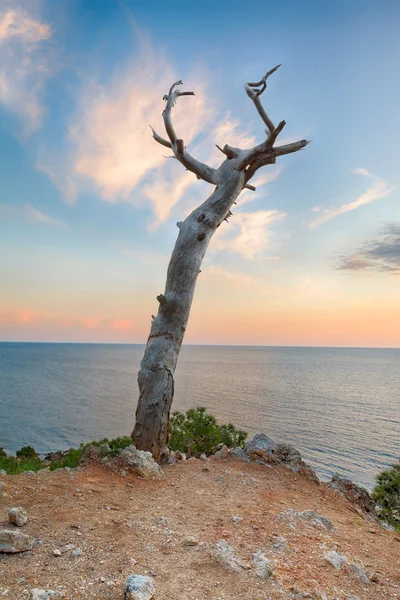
88, 203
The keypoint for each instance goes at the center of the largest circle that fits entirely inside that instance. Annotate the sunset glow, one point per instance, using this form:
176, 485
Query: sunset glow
89, 204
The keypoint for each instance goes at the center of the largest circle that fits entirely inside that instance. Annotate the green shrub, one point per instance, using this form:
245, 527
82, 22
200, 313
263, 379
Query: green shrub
71, 459
27, 452
3, 453
73, 456
387, 495
197, 432
15, 466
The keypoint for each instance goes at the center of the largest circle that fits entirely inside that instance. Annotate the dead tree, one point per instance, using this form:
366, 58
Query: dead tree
156, 375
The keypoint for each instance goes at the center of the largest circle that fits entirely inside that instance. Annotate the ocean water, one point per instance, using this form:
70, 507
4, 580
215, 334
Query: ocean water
339, 407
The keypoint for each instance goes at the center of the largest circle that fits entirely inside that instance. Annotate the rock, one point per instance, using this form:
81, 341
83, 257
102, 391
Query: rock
386, 526
94, 454
238, 453
335, 559
15, 541
279, 544
262, 448
76, 552
190, 540
226, 556
54, 456
358, 572
67, 548
17, 515
236, 519
224, 452
354, 493
139, 587
3, 473
262, 565
40, 594
308, 515
139, 462
374, 577
179, 455
203, 456
56, 552
288, 454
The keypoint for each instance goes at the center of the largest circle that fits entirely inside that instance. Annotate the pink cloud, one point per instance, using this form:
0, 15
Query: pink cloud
122, 324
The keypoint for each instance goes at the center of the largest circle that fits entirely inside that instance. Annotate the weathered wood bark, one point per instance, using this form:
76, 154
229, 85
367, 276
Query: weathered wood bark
156, 374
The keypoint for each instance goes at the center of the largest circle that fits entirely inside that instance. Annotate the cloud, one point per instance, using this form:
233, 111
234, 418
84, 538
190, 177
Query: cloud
61, 179
234, 279
31, 213
268, 175
29, 318
122, 324
381, 255
113, 145
24, 65
249, 233
166, 190
379, 188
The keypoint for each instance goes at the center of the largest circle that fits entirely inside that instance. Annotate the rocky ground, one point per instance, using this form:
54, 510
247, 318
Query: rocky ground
213, 529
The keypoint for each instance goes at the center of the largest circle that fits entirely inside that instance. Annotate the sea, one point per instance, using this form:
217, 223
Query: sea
340, 407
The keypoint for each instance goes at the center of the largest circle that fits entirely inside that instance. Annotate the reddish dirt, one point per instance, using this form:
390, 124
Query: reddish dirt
127, 525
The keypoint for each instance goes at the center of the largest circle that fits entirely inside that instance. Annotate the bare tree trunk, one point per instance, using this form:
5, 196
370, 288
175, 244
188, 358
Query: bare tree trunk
156, 374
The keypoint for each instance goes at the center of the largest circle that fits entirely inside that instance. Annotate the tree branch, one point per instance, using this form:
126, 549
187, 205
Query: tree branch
269, 157
200, 169
265, 153
254, 94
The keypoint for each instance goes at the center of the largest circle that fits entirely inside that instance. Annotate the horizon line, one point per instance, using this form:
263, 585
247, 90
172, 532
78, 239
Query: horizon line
206, 345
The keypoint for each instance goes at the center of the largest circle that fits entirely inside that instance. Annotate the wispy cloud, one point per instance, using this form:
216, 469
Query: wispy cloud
113, 145
60, 176
380, 255
378, 188
249, 233
233, 279
267, 176
24, 65
28, 318
30, 212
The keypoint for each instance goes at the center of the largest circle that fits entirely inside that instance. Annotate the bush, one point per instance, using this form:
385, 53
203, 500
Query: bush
387, 495
3, 453
73, 456
27, 452
197, 432
15, 466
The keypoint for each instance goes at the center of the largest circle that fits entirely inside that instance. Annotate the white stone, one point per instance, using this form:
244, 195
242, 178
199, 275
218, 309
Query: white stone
140, 462
139, 587
262, 565
17, 515
335, 559
190, 541
225, 555
40, 594
15, 541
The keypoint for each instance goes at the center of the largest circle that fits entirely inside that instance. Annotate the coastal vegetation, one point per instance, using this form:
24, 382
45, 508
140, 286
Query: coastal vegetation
198, 432
195, 432
387, 495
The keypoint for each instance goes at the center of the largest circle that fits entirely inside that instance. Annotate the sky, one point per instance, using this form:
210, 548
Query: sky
89, 202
